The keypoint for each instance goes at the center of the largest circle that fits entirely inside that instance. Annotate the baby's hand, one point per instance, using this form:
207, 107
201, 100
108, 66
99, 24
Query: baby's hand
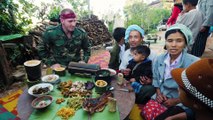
144, 80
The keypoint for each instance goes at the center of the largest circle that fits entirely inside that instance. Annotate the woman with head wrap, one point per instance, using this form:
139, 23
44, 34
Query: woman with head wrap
177, 38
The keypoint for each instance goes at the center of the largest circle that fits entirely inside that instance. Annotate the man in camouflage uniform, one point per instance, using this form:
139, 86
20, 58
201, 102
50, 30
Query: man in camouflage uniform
63, 43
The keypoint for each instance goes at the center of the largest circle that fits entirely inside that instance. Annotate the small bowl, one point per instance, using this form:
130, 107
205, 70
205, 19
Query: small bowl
101, 86
61, 71
42, 102
32, 89
103, 75
50, 78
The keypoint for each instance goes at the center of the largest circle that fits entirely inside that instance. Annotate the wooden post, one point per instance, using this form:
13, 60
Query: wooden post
5, 70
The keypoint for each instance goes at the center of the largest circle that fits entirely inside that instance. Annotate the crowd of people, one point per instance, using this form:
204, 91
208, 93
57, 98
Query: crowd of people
174, 85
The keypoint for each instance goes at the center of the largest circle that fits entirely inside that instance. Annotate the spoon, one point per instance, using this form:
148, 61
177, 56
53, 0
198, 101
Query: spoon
111, 88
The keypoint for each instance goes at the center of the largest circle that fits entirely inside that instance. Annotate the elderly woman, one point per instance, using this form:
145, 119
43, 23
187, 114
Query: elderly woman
177, 37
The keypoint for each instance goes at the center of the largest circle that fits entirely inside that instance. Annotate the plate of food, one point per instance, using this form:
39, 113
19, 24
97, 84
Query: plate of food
42, 102
112, 71
40, 89
93, 105
52, 78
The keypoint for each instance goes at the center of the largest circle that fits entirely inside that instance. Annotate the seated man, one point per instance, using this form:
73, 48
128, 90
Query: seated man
63, 43
118, 49
134, 34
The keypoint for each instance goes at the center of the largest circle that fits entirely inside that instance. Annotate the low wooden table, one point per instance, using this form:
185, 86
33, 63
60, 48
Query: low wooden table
125, 102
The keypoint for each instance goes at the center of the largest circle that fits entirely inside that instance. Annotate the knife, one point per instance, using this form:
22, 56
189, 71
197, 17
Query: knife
123, 89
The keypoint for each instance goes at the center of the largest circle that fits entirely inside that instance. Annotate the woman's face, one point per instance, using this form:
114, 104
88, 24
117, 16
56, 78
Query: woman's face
135, 38
175, 43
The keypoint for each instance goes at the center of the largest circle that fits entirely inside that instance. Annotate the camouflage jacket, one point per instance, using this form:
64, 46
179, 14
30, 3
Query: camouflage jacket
56, 47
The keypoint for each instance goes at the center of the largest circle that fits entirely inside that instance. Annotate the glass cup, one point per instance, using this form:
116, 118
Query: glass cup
112, 104
120, 79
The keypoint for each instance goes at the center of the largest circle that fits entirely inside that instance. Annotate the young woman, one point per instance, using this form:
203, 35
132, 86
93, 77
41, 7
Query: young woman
177, 37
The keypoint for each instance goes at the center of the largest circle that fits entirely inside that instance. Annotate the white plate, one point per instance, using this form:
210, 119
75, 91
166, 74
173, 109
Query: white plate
50, 78
40, 85
112, 72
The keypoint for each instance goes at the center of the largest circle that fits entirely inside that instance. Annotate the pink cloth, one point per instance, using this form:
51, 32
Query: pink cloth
152, 109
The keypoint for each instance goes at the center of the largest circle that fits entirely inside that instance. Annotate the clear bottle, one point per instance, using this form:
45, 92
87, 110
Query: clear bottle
120, 78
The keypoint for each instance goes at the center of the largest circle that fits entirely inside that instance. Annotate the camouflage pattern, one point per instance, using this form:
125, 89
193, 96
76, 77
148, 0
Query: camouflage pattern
56, 47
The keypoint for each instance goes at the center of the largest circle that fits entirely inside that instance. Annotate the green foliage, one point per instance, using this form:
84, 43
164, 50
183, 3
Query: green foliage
144, 16
80, 7
54, 14
12, 19
110, 26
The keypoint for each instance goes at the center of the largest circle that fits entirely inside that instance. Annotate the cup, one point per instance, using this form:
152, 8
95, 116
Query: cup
112, 104
120, 79
61, 70
33, 69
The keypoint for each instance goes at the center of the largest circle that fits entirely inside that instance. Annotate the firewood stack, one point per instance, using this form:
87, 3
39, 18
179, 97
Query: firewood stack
37, 32
97, 31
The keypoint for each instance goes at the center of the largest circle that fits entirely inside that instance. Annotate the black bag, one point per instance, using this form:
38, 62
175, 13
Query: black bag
75, 67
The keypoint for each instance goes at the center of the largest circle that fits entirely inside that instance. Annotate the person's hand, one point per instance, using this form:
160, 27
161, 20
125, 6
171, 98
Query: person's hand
126, 72
179, 116
169, 118
203, 29
81, 62
132, 80
144, 80
160, 98
170, 102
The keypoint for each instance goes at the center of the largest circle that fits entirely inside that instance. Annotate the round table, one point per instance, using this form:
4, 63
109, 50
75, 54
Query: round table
125, 101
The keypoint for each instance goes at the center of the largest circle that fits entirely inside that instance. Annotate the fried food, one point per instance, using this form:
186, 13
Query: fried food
75, 102
101, 83
65, 112
60, 100
96, 104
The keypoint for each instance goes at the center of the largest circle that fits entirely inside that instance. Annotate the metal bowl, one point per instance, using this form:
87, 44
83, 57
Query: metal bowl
42, 102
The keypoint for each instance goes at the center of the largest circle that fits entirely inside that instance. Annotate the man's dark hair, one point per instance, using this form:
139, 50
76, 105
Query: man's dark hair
192, 2
119, 33
142, 49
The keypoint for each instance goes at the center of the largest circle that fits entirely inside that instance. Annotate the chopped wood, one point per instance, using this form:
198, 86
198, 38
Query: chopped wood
97, 31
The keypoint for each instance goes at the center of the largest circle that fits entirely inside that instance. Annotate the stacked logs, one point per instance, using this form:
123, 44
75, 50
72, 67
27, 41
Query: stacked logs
97, 31
37, 32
